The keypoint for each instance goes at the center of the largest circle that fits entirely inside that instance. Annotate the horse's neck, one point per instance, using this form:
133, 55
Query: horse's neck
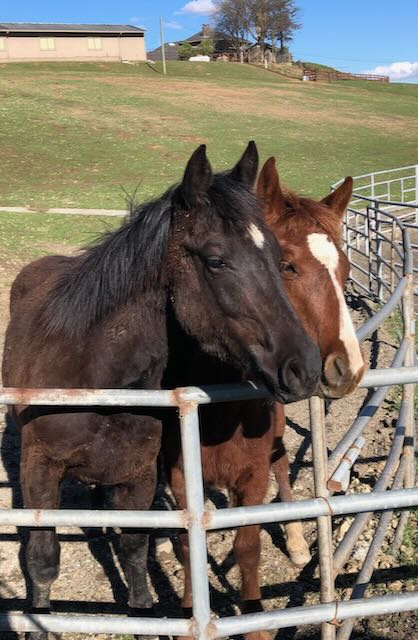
131, 346
128, 348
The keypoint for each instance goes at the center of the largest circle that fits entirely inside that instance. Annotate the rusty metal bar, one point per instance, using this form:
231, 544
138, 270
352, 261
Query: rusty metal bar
218, 519
200, 395
190, 442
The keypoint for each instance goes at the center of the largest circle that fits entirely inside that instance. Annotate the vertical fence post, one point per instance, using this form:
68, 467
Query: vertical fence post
324, 523
379, 249
190, 440
408, 454
367, 231
416, 184
372, 185
392, 257
409, 332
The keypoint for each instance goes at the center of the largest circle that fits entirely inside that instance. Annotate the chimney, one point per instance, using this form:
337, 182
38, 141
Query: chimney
206, 30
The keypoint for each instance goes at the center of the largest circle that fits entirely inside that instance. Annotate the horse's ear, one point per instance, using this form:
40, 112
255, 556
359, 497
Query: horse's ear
339, 199
197, 178
245, 170
269, 191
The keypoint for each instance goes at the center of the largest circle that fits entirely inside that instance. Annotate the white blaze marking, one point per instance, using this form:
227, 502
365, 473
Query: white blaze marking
325, 251
256, 235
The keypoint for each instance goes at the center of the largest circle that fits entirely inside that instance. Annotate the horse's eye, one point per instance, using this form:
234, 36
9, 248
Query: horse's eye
214, 262
287, 267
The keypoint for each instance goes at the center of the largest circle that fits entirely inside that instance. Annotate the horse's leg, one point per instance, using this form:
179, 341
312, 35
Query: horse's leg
296, 544
40, 481
247, 546
133, 544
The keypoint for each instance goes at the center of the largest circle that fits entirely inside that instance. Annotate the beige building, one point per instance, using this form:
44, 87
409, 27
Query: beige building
20, 42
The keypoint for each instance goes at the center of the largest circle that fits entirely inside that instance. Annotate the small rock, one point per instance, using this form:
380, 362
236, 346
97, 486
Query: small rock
395, 586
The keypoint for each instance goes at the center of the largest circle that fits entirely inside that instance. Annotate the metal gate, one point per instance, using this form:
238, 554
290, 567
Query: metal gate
382, 261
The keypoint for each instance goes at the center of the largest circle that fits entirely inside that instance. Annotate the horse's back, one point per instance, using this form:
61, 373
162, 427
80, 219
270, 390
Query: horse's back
33, 275
24, 335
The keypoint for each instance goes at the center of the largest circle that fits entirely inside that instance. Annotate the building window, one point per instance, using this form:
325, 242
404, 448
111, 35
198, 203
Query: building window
2, 44
47, 44
94, 43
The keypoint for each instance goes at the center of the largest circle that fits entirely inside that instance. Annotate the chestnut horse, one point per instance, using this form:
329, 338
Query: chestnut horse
200, 254
238, 439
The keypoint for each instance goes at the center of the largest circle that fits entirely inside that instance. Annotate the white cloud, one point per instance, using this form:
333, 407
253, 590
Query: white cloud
397, 70
198, 6
173, 25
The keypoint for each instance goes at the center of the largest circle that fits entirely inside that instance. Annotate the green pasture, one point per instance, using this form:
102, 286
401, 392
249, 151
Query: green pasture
25, 237
79, 134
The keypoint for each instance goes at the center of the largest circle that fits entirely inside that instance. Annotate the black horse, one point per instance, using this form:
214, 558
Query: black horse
202, 253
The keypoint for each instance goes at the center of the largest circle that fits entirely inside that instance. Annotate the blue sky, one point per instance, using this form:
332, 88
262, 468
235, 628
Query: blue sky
354, 35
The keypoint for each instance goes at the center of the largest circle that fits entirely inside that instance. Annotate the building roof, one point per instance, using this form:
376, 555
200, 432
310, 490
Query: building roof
208, 33
37, 27
170, 48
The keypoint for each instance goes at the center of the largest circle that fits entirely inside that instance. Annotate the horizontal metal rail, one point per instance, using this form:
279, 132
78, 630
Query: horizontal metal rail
218, 628
219, 519
332, 612
177, 397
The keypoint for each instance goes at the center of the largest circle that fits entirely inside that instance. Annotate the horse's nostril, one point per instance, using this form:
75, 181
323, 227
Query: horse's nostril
335, 370
300, 375
291, 374
340, 366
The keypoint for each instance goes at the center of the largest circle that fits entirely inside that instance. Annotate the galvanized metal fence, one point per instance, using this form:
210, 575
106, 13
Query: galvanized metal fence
331, 473
372, 236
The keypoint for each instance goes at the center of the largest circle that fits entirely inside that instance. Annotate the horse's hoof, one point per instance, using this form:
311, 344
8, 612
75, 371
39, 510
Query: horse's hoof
164, 549
300, 557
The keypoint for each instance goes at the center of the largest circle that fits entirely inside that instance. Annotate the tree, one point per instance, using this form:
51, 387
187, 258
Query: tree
260, 21
185, 51
206, 47
232, 19
284, 24
263, 20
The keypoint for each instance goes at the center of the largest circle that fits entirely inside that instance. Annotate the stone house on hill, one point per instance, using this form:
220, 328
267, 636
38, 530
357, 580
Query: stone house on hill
222, 46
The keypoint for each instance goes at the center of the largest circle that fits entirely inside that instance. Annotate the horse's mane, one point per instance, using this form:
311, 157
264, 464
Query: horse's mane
301, 212
128, 261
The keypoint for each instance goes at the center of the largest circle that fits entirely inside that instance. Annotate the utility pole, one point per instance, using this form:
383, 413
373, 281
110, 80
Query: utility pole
162, 45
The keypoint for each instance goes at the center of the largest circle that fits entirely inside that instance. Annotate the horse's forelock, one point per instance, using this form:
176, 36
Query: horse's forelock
304, 213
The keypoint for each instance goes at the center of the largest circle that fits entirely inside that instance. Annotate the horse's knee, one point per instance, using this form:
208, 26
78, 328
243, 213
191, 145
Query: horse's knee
247, 546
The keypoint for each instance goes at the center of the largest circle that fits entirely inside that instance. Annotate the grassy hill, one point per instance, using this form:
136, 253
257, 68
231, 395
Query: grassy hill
73, 133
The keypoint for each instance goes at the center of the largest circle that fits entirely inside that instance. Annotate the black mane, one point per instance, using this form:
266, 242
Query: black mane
107, 274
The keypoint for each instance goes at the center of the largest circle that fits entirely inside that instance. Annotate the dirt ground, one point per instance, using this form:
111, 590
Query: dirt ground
91, 581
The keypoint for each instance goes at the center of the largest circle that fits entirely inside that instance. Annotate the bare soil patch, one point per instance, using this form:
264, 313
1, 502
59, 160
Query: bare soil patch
276, 101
